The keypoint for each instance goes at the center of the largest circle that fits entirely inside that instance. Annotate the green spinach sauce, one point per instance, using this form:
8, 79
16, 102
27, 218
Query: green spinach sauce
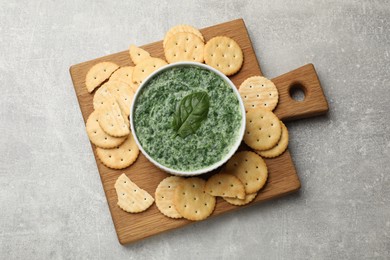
154, 113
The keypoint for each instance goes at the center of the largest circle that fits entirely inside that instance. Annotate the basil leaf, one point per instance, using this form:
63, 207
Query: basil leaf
190, 113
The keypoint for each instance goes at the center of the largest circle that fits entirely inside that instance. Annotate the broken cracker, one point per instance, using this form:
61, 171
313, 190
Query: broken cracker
137, 54
143, 69
111, 119
131, 198
99, 73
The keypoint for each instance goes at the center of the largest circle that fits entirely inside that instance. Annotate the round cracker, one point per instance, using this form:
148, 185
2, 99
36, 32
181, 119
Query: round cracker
258, 92
99, 73
250, 168
191, 200
145, 68
225, 185
182, 28
184, 46
238, 202
124, 74
224, 54
98, 137
121, 156
164, 196
279, 148
263, 129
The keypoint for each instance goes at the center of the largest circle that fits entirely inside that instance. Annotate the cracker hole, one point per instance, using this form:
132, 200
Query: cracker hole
187, 39
246, 160
123, 194
176, 43
248, 132
196, 211
257, 167
139, 54
260, 128
143, 70
223, 194
94, 77
193, 185
253, 105
257, 178
246, 184
109, 156
104, 70
219, 183
246, 171
269, 136
144, 198
162, 197
258, 140
205, 204
194, 198
169, 186
231, 185
265, 104
196, 46
169, 206
121, 159
258, 95
105, 138
95, 132
229, 45
185, 206
132, 202
184, 193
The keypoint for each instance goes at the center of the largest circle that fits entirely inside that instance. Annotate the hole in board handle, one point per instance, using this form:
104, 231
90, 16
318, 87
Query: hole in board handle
297, 92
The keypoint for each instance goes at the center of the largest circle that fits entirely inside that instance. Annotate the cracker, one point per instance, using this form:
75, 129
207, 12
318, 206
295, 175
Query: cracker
279, 148
184, 46
98, 137
123, 74
182, 28
250, 168
225, 185
123, 94
164, 196
258, 92
131, 198
223, 54
121, 156
145, 68
191, 201
137, 54
263, 129
98, 74
239, 202
111, 119
119, 90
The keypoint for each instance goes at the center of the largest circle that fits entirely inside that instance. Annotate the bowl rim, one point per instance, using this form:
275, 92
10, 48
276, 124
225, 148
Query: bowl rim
234, 146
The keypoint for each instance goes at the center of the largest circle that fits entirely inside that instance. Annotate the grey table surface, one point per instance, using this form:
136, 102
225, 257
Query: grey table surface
52, 204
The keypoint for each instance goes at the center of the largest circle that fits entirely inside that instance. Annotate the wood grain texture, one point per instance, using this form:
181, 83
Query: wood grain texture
283, 178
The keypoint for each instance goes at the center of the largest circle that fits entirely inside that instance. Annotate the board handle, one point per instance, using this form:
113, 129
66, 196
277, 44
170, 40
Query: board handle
305, 79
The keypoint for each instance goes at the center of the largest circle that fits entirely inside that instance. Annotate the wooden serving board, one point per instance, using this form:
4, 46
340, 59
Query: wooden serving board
283, 178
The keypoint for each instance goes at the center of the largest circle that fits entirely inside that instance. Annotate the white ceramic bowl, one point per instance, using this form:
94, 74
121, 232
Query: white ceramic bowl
213, 166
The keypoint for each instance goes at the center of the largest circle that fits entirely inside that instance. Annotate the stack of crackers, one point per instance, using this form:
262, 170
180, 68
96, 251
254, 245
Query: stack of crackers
244, 175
